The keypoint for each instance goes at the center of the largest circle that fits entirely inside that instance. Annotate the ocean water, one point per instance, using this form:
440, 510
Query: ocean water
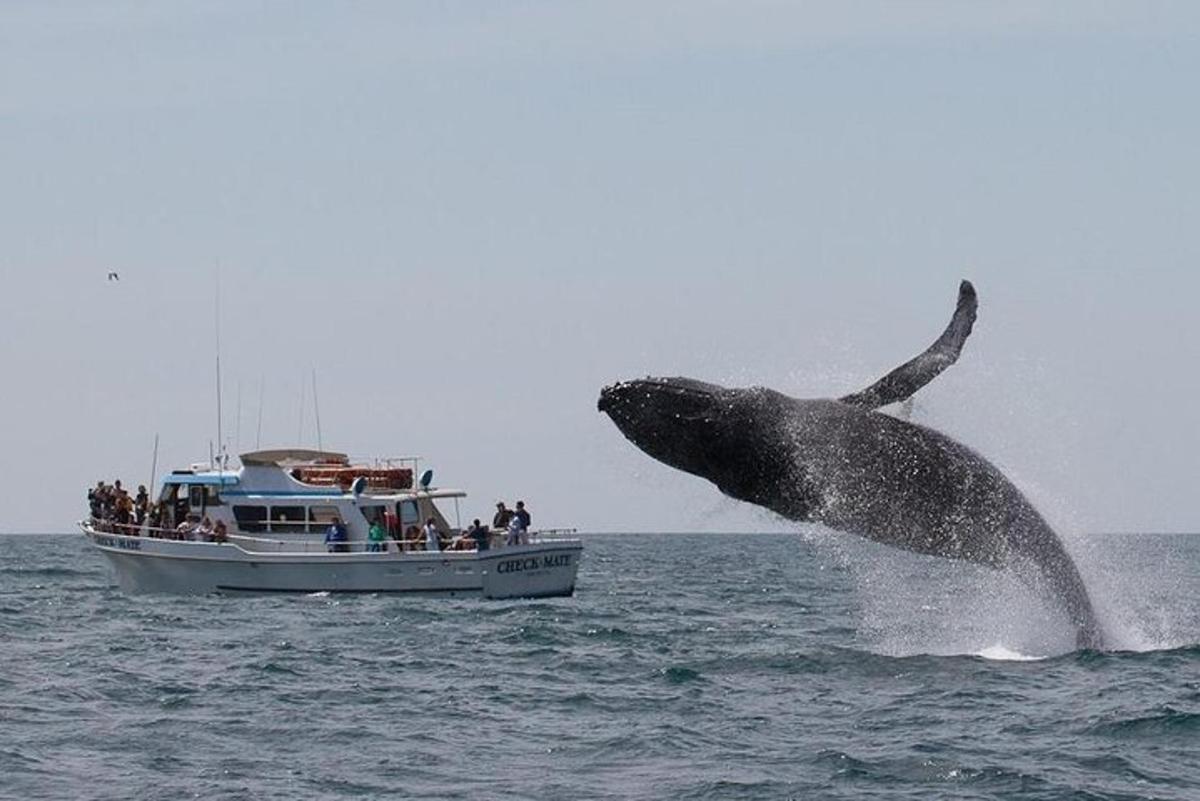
807, 666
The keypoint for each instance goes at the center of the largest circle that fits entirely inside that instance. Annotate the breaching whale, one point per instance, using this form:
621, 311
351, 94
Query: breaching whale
848, 466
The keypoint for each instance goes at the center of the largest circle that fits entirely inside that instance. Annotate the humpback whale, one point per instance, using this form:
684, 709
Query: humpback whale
843, 463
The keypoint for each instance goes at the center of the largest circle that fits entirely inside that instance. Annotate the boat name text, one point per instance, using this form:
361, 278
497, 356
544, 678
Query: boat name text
113, 542
534, 563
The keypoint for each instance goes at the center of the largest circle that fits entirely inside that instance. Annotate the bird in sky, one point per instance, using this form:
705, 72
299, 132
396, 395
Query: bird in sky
113, 277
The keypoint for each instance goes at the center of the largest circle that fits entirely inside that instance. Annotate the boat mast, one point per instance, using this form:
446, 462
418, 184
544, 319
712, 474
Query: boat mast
262, 388
217, 330
317, 409
300, 424
153, 466
237, 424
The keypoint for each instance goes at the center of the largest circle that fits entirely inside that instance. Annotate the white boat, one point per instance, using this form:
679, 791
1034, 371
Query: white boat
275, 512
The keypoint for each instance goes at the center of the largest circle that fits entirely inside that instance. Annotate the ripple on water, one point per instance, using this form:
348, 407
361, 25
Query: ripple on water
1165, 722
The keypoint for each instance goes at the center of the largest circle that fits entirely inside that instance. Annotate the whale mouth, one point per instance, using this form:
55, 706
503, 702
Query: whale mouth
675, 420
650, 406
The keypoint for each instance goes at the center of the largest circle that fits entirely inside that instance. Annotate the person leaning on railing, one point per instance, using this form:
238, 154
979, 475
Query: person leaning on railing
376, 536
480, 534
433, 537
336, 537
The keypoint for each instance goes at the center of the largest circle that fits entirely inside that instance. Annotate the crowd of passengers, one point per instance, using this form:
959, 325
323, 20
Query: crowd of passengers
511, 524
113, 511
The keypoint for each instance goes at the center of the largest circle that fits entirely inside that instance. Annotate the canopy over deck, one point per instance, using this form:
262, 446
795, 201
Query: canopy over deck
284, 456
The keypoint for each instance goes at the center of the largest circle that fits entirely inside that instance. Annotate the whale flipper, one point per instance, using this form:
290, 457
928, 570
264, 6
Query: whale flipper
909, 377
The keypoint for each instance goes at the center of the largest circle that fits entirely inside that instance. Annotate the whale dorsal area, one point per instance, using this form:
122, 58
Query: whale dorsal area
906, 379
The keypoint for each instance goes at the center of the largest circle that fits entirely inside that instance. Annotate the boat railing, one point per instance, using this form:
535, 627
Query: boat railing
386, 462
274, 545
269, 544
543, 534
146, 530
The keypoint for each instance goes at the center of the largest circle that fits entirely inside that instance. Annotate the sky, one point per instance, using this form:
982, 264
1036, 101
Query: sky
464, 218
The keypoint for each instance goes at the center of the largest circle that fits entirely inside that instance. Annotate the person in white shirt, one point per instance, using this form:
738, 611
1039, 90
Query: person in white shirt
203, 532
433, 541
186, 530
516, 532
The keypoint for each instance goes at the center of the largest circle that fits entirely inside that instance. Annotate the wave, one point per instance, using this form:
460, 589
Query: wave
1167, 721
46, 572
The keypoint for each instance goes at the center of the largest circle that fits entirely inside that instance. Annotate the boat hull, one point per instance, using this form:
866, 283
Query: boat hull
146, 565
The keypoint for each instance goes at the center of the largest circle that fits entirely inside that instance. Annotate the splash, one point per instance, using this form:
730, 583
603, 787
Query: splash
999, 653
908, 604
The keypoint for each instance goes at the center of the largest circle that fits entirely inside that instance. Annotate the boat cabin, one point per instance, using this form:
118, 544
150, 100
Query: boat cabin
296, 494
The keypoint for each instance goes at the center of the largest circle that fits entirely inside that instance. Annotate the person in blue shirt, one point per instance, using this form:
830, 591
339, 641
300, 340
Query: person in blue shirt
523, 514
336, 537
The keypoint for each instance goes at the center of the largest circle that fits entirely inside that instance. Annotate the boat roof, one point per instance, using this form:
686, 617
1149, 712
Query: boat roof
220, 479
282, 456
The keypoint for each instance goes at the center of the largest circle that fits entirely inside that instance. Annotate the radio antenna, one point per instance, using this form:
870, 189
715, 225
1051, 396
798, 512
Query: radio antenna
217, 329
153, 466
317, 409
300, 425
262, 388
237, 424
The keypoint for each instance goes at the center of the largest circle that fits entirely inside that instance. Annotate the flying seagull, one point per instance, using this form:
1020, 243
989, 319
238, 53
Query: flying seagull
113, 277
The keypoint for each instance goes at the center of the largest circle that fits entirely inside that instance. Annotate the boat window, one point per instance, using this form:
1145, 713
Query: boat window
196, 496
372, 513
288, 518
409, 514
319, 517
251, 518
212, 495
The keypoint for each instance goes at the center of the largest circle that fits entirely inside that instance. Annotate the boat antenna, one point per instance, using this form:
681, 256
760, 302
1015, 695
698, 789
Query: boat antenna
217, 330
317, 409
262, 388
300, 425
154, 465
237, 427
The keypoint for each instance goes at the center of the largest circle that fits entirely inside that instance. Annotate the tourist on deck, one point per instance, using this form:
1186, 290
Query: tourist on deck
526, 518
220, 533
336, 538
95, 498
503, 515
412, 538
141, 505
107, 498
204, 531
513, 537
376, 536
433, 538
123, 512
186, 530
480, 534
107, 503
155, 521
391, 524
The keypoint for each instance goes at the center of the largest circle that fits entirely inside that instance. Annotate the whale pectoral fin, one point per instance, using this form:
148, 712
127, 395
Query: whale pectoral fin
916, 373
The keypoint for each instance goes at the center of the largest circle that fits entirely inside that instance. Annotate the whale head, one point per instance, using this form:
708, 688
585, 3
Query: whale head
710, 431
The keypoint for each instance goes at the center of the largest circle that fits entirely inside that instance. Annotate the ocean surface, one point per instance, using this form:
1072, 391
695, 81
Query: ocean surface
807, 666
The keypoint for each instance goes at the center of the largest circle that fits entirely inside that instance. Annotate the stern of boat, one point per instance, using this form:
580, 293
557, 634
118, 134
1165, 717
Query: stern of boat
543, 570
